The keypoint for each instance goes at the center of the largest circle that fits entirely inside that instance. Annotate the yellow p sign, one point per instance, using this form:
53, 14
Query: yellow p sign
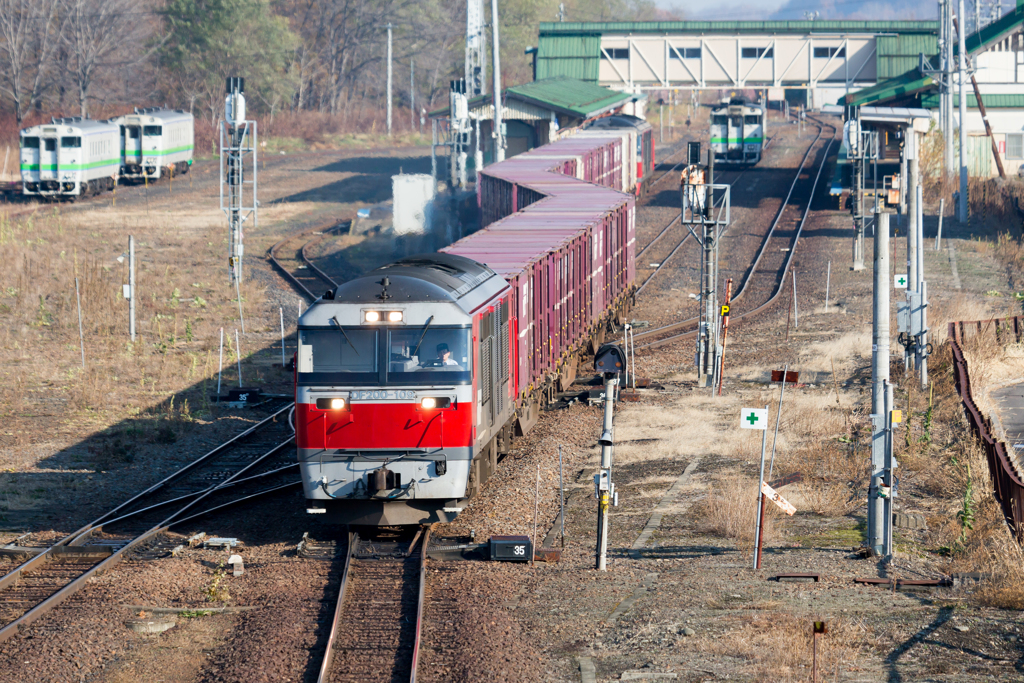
725, 311
897, 416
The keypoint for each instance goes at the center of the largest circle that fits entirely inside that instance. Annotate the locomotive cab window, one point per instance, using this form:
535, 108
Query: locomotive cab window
30, 143
70, 142
338, 351
414, 354
152, 130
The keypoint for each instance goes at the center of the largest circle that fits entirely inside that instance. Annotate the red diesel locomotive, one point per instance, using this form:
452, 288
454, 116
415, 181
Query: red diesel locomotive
413, 380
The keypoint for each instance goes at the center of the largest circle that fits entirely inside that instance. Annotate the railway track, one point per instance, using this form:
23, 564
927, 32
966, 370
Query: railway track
375, 632
754, 272
254, 463
305, 275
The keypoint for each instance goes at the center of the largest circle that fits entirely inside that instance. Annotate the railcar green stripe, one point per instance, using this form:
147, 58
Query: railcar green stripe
751, 141
71, 167
156, 153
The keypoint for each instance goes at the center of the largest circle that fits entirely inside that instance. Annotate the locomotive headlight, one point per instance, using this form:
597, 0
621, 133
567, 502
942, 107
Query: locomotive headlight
372, 316
433, 402
330, 404
395, 316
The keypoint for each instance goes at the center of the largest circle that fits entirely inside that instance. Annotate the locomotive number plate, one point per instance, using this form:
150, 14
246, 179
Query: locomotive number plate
382, 395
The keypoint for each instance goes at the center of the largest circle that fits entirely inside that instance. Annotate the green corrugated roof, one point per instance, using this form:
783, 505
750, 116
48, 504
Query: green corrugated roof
562, 95
896, 55
570, 95
994, 32
597, 28
992, 101
908, 84
576, 56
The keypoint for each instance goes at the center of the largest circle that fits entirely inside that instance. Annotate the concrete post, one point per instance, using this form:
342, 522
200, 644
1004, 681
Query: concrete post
879, 378
131, 286
610, 385
962, 61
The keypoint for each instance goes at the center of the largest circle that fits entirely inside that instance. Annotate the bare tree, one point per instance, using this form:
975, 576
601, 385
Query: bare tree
29, 34
102, 34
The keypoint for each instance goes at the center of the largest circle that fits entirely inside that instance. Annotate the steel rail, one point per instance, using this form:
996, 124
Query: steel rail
785, 268
287, 274
328, 661
55, 599
778, 216
419, 603
12, 577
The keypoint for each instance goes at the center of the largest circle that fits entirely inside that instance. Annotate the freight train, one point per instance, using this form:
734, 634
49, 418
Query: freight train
413, 380
78, 157
737, 131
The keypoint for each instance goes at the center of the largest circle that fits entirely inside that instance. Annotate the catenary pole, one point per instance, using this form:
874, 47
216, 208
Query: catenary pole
879, 377
497, 134
389, 79
961, 73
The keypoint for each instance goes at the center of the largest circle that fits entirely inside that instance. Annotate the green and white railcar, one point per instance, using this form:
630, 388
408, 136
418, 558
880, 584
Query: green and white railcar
155, 142
737, 132
70, 157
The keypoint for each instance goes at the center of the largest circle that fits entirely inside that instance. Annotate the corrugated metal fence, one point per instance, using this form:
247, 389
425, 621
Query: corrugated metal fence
1009, 489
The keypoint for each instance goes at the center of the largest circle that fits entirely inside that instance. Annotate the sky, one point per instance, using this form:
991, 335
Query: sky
726, 10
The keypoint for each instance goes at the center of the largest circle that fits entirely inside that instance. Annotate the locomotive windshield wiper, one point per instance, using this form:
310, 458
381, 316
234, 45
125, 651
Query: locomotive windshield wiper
345, 334
424, 334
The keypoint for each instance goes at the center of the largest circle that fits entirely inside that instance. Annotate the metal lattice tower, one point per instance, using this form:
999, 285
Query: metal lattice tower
237, 170
476, 49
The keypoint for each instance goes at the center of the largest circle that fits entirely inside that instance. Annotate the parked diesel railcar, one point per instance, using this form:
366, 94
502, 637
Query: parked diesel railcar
69, 157
737, 131
155, 142
412, 380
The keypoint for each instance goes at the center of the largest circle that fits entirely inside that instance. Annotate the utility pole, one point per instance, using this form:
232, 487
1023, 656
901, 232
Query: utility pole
498, 134
879, 378
961, 73
237, 163
389, 79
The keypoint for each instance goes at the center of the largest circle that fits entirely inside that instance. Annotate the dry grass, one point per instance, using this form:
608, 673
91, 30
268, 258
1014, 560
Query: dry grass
779, 647
730, 511
162, 379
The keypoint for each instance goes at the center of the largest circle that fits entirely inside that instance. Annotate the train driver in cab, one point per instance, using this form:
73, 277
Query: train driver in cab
444, 357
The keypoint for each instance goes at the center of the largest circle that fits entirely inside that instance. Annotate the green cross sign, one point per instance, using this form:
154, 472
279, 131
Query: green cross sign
754, 418
902, 281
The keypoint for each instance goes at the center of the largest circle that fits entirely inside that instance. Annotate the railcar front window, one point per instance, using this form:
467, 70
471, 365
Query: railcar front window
719, 120
30, 143
415, 354
51, 144
152, 130
71, 142
348, 351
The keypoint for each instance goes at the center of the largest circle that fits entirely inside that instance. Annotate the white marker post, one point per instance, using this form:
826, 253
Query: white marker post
757, 418
281, 313
828, 281
220, 369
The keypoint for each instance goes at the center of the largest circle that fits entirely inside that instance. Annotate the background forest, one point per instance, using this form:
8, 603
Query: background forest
314, 64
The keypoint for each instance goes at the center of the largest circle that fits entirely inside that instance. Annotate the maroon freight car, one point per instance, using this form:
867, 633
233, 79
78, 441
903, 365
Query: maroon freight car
566, 246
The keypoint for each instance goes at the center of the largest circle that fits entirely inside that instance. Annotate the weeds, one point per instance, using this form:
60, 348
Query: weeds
217, 591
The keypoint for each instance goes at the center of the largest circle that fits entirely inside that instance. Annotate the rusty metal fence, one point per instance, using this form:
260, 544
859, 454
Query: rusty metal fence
1009, 489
